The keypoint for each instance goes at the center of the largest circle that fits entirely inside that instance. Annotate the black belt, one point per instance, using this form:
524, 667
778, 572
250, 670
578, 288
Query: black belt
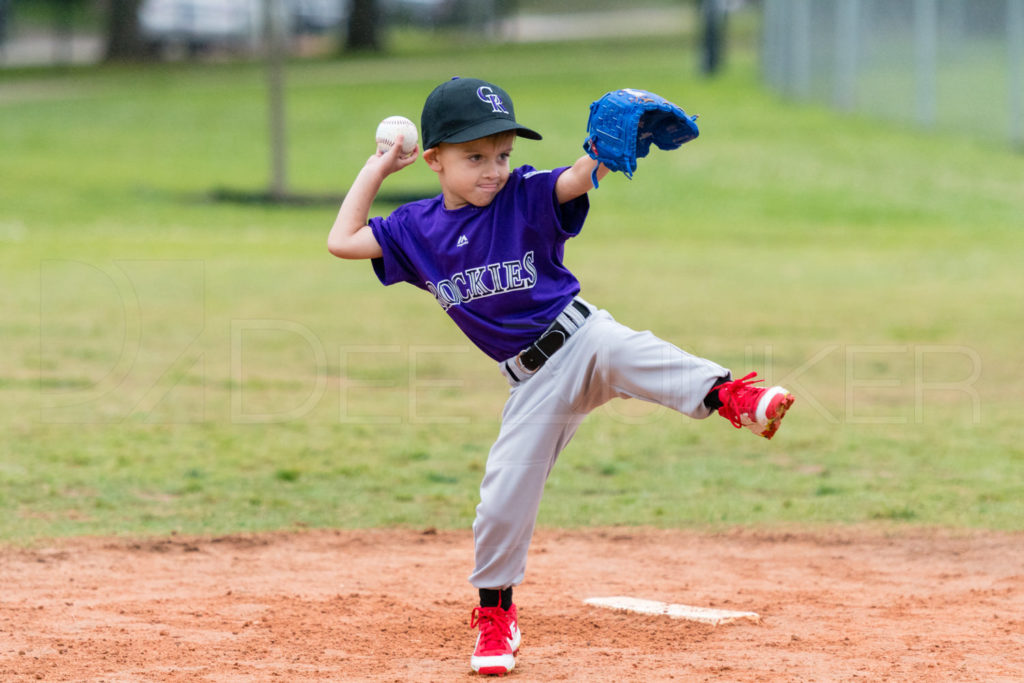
536, 354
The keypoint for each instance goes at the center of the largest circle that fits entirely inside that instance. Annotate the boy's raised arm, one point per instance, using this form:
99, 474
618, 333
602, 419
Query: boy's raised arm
577, 180
350, 236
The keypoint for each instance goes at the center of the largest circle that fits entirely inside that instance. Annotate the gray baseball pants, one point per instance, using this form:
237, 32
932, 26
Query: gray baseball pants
601, 360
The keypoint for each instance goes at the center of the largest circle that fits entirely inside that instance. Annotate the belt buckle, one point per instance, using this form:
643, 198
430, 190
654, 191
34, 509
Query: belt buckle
518, 361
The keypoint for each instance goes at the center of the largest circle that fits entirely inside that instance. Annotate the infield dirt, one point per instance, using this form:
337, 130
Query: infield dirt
840, 605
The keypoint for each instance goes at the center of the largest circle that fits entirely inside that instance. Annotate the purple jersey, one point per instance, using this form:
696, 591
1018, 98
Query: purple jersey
496, 270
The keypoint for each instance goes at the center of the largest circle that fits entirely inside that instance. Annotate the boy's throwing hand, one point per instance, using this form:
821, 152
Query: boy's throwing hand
391, 160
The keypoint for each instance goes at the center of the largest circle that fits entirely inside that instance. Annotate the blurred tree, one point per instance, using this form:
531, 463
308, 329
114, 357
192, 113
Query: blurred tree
363, 31
123, 41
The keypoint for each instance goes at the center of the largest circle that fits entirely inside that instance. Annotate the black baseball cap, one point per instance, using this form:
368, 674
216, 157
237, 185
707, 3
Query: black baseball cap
465, 109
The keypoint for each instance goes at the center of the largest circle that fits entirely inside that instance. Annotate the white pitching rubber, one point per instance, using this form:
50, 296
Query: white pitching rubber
703, 615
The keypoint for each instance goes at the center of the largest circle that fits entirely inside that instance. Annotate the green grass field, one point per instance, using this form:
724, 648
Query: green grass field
171, 363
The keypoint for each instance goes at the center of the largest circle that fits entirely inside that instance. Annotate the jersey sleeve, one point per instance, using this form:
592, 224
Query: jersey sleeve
542, 205
394, 265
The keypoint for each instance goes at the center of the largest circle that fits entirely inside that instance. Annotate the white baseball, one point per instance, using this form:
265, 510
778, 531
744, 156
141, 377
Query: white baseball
389, 130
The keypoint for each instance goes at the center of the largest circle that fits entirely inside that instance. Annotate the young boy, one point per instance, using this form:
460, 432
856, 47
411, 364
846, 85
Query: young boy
489, 249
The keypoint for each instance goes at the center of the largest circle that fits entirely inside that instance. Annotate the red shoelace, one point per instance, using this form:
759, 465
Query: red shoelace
736, 397
495, 630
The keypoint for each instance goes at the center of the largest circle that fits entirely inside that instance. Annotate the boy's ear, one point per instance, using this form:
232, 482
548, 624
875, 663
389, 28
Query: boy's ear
430, 156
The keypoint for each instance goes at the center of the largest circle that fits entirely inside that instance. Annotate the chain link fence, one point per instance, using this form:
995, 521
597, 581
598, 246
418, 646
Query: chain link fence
953, 65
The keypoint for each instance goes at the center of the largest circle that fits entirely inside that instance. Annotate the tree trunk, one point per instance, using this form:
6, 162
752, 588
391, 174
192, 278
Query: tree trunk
363, 26
123, 40
713, 43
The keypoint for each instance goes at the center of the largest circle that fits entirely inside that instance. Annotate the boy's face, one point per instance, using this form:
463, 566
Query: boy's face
472, 172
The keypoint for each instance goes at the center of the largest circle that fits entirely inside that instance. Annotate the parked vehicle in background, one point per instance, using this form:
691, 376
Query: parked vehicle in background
319, 16
424, 12
198, 25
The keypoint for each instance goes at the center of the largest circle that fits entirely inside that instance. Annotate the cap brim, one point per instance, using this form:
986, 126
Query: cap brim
490, 127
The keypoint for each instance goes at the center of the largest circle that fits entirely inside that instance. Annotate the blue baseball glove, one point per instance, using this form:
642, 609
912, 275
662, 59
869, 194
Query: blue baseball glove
624, 123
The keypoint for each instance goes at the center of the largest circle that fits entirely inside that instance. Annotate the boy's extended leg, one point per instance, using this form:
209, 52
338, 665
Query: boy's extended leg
631, 364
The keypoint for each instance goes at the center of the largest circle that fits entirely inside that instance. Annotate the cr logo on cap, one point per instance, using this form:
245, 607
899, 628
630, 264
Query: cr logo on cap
492, 98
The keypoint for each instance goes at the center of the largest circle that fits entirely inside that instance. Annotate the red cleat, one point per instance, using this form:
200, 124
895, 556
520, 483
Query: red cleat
498, 640
759, 410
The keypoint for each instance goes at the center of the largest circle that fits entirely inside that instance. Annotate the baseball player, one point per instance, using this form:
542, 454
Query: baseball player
489, 248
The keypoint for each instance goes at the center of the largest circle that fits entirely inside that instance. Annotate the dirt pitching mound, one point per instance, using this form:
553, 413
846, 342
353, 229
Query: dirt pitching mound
395, 605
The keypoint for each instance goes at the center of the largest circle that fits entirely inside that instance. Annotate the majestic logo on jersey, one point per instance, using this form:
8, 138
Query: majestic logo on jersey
484, 281
492, 98
463, 241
